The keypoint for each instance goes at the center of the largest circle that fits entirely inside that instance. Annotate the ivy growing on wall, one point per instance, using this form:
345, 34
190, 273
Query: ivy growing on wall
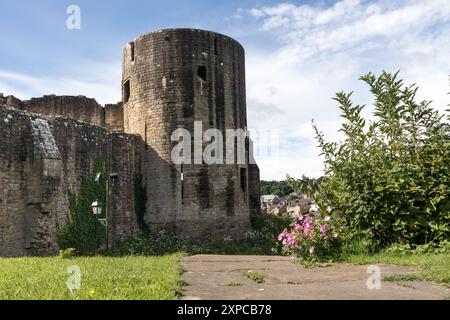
83, 231
140, 201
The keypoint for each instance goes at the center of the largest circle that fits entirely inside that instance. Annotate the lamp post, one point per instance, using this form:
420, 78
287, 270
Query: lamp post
97, 206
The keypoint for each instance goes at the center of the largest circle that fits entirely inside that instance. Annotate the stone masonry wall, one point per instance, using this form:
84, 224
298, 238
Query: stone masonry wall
114, 116
41, 160
172, 78
75, 107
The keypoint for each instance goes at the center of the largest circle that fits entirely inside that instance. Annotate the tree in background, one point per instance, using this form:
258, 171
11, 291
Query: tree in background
305, 185
279, 188
284, 188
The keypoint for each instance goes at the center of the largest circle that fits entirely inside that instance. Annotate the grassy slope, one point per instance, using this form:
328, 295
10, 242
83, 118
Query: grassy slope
434, 267
101, 278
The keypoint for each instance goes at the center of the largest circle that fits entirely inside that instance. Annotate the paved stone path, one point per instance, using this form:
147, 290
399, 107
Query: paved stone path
213, 277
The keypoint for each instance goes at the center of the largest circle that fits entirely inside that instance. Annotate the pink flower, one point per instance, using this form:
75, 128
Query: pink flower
335, 235
282, 235
327, 218
324, 228
308, 220
329, 209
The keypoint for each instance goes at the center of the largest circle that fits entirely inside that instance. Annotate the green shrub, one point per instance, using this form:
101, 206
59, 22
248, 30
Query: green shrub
83, 231
389, 177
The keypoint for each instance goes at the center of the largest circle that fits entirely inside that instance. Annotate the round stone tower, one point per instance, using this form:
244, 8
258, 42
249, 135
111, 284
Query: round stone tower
172, 78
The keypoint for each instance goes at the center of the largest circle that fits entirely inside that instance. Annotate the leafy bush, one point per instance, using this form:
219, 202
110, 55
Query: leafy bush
83, 231
389, 177
313, 237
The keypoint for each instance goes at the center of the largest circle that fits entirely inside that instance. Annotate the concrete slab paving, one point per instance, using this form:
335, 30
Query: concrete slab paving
214, 277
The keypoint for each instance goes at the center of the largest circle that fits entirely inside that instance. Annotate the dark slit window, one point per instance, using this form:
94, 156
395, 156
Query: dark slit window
201, 72
132, 51
126, 91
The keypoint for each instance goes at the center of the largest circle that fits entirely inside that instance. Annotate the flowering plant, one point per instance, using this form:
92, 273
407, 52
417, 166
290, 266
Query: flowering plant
312, 237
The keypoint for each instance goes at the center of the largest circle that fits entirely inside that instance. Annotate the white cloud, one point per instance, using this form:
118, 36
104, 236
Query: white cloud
99, 81
324, 49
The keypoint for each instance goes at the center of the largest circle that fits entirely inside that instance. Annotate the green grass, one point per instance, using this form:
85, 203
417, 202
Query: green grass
102, 278
254, 276
432, 266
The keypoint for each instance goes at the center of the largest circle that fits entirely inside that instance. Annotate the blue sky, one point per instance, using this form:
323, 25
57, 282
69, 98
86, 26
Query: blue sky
299, 53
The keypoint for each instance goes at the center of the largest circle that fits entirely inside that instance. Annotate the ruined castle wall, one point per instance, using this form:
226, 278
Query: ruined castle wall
41, 160
75, 107
172, 78
114, 116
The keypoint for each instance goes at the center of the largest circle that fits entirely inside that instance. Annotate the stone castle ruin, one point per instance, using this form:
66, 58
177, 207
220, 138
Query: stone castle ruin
171, 78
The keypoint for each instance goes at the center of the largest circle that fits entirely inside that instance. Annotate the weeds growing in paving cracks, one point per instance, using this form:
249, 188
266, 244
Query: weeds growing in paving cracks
232, 284
254, 276
295, 282
405, 285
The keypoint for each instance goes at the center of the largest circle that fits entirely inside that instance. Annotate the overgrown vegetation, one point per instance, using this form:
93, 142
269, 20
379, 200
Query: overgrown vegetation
83, 232
389, 178
261, 240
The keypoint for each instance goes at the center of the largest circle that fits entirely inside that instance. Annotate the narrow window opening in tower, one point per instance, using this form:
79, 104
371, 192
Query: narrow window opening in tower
166, 38
201, 72
215, 46
132, 51
243, 180
126, 91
